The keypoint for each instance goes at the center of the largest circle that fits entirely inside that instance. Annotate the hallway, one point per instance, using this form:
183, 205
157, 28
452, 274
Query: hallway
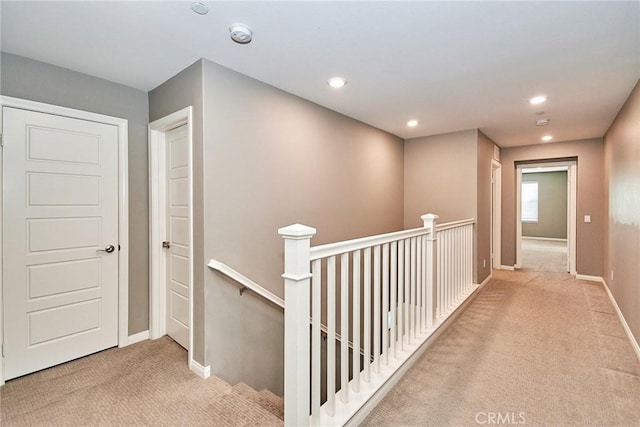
533, 348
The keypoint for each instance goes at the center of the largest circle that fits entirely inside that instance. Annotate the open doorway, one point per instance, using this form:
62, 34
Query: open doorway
546, 217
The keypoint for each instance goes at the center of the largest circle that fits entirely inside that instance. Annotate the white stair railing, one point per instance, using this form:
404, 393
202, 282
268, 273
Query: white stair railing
387, 294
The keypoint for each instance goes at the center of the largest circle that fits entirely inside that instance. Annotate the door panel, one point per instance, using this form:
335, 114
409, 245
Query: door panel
60, 208
178, 236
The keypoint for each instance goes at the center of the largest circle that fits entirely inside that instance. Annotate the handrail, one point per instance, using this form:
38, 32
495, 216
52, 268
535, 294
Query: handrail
331, 249
245, 282
253, 286
454, 224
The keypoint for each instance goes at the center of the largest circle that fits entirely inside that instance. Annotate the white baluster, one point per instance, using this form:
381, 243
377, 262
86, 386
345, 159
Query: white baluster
297, 239
401, 294
394, 300
431, 264
316, 337
413, 288
356, 321
367, 315
407, 290
419, 324
344, 327
385, 304
376, 308
331, 336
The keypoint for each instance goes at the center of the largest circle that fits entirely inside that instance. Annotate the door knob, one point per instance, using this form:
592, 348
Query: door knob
108, 249
166, 245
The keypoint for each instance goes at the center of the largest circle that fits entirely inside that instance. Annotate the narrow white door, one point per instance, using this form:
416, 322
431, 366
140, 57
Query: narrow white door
178, 280
60, 242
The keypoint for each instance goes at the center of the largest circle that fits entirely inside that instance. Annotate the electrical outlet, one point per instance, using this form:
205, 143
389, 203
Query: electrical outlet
587, 218
611, 275
484, 263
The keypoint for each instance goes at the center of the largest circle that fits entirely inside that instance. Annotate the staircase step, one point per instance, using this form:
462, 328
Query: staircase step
271, 403
244, 411
274, 398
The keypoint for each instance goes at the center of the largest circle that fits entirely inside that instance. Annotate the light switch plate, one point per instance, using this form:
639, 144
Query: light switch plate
587, 218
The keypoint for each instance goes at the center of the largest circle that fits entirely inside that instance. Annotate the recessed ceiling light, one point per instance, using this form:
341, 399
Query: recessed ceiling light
547, 138
538, 99
542, 122
199, 8
240, 33
336, 82
412, 123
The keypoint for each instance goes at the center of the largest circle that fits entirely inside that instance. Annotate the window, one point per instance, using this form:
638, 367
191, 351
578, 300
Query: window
529, 210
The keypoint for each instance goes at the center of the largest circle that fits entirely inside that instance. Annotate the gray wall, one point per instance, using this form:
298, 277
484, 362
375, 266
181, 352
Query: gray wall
184, 90
552, 205
440, 174
590, 200
450, 175
269, 159
622, 221
37, 81
272, 160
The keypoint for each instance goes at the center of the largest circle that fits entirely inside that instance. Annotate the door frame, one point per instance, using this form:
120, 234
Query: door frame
158, 223
572, 209
496, 214
123, 204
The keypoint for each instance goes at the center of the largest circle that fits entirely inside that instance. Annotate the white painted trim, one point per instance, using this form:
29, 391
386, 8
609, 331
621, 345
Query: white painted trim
572, 217
589, 278
496, 217
518, 263
625, 325
485, 281
549, 239
203, 372
157, 226
140, 336
572, 188
507, 267
375, 399
123, 207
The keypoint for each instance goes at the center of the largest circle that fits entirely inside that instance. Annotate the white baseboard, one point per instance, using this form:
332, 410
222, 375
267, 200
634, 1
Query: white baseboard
625, 325
589, 278
485, 281
140, 336
507, 267
548, 239
201, 371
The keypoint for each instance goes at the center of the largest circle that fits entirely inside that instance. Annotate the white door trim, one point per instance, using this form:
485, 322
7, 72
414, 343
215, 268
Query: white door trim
572, 187
496, 218
157, 223
123, 205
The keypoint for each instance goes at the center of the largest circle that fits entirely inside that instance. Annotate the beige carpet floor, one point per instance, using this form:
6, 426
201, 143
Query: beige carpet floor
540, 349
145, 384
544, 255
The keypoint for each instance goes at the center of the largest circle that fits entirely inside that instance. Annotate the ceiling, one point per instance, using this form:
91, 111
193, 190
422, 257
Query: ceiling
450, 65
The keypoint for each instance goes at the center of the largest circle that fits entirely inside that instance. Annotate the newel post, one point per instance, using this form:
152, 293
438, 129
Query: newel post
432, 267
297, 283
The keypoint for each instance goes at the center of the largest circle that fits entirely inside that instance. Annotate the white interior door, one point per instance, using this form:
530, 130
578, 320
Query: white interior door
60, 213
177, 276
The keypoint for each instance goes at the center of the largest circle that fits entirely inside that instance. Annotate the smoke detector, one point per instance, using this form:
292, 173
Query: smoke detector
542, 122
240, 33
